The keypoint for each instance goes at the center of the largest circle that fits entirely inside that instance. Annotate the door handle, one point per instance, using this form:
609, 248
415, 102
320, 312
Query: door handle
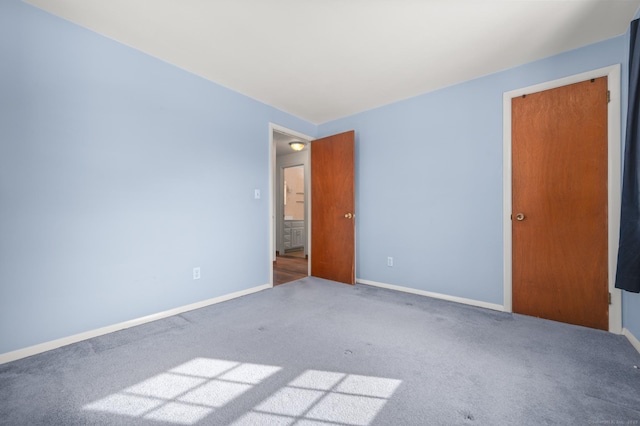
520, 216
348, 215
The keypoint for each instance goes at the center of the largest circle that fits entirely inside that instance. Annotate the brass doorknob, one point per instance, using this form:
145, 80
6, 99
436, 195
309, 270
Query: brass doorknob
348, 215
520, 216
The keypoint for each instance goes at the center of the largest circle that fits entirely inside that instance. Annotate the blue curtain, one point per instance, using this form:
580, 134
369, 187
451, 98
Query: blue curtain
628, 273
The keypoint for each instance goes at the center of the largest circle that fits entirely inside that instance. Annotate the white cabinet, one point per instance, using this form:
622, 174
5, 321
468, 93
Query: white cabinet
293, 236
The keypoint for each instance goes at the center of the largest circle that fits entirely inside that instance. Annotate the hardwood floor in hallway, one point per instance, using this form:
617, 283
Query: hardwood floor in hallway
289, 268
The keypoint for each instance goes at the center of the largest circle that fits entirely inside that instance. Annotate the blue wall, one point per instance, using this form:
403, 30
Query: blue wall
429, 180
118, 174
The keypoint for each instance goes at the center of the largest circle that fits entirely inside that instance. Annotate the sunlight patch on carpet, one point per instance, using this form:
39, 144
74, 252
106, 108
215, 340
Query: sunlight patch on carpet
323, 398
187, 393
191, 391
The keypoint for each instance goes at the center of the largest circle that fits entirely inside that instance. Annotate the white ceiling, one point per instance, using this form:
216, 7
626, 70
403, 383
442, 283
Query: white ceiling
325, 59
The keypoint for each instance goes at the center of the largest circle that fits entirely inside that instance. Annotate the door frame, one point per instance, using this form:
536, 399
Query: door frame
273, 194
613, 191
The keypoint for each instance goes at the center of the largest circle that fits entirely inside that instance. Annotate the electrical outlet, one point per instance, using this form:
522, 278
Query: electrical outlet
389, 261
196, 273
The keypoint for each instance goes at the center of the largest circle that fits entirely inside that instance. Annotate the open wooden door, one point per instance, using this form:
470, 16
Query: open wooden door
333, 208
560, 229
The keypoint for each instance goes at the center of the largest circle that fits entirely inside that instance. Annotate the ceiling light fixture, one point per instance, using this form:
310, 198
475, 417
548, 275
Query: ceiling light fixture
297, 145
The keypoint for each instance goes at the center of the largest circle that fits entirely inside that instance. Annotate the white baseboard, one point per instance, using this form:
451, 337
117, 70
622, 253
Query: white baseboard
471, 302
54, 344
633, 339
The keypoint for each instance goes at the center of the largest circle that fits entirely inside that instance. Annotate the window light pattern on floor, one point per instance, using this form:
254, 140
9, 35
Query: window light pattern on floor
190, 392
323, 398
187, 393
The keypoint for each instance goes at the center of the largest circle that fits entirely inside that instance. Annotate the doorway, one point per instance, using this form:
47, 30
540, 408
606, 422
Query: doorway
291, 262
330, 208
289, 206
609, 80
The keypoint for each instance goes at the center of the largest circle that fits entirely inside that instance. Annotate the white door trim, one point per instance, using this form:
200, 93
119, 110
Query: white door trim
614, 173
272, 193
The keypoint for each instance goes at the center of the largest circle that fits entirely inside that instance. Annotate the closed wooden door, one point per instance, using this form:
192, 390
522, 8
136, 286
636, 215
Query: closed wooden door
333, 208
559, 197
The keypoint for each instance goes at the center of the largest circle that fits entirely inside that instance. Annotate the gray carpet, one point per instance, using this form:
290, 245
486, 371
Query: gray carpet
314, 352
